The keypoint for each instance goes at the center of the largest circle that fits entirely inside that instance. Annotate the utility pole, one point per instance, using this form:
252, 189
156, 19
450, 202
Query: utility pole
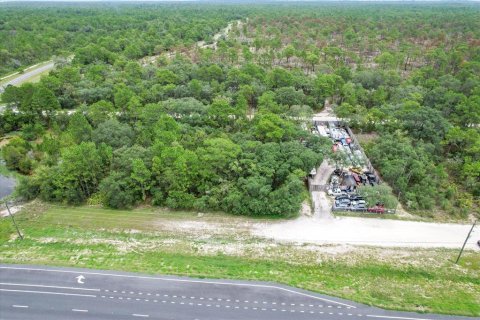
13, 219
463, 247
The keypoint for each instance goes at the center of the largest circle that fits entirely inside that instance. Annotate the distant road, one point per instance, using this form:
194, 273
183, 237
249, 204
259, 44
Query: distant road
35, 292
22, 77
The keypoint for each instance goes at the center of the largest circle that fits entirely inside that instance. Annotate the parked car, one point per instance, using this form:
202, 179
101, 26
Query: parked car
359, 202
343, 200
358, 207
335, 192
371, 177
356, 178
377, 209
354, 197
364, 178
341, 206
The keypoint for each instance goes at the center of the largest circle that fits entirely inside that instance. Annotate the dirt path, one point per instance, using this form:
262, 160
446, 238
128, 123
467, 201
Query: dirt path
223, 33
321, 203
201, 44
326, 114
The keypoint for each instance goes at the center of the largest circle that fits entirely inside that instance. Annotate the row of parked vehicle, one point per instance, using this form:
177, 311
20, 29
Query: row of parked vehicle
354, 202
363, 177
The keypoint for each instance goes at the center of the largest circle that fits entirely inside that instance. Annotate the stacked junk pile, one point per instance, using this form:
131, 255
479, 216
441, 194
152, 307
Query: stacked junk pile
351, 173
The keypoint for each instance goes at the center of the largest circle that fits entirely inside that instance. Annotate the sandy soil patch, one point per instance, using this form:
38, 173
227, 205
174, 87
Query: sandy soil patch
363, 231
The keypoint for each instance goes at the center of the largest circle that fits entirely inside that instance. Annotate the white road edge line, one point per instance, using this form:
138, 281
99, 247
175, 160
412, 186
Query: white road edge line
43, 286
140, 315
19, 306
187, 281
389, 317
46, 292
79, 310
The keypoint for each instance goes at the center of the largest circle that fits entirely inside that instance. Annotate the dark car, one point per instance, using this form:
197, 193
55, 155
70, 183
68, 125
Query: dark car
371, 177
355, 197
363, 178
342, 202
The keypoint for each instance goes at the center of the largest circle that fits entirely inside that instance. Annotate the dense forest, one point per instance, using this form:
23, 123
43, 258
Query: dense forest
222, 127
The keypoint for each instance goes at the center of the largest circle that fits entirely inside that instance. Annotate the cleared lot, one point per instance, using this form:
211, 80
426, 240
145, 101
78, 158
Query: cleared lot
374, 232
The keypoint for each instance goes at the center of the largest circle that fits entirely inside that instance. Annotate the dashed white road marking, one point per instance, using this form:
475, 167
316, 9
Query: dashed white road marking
47, 292
19, 306
251, 285
43, 286
79, 310
388, 317
140, 315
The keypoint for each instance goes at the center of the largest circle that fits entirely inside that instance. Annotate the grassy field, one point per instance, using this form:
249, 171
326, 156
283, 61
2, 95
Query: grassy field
220, 246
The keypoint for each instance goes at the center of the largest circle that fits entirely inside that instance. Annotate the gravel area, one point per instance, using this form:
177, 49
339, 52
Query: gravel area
367, 231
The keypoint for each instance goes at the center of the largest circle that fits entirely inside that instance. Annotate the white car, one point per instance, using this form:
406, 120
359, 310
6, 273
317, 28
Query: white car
359, 203
335, 192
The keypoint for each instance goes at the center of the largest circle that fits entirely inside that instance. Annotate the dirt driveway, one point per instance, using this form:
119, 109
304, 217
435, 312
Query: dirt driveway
368, 231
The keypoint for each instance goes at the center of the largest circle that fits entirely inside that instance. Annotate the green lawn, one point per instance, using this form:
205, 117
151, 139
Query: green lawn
157, 241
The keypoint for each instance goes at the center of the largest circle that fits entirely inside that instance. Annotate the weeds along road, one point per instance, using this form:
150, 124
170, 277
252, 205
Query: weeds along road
32, 292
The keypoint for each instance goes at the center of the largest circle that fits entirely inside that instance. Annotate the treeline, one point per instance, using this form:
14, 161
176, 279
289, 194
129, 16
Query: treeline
31, 33
177, 137
409, 74
220, 129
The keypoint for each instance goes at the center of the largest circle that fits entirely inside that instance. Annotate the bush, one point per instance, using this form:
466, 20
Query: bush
381, 193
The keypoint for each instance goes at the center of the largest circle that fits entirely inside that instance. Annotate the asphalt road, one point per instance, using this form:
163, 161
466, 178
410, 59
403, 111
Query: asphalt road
38, 292
22, 77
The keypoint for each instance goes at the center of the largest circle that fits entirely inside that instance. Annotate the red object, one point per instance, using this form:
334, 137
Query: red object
356, 178
376, 209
